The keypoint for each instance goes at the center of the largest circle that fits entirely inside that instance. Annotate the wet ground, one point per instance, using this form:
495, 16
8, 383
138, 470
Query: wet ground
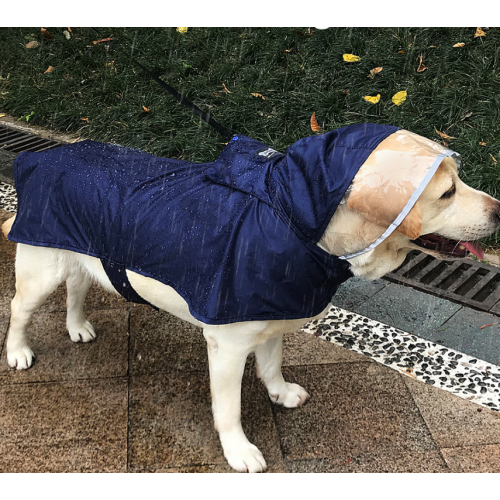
138, 398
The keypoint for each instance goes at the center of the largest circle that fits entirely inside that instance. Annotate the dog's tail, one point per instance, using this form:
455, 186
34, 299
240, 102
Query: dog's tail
6, 226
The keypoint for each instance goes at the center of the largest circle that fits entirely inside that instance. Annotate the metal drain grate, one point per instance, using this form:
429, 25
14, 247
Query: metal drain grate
16, 141
463, 281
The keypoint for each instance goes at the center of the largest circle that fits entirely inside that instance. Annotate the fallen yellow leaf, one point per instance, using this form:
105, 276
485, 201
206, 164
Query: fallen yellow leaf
399, 97
225, 88
146, 109
374, 71
372, 99
288, 50
49, 70
482, 144
1, 116
182, 30
314, 124
479, 32
493, 158
351, 58
459, 44
84, 119
256, 94
421, 67
443, 135
401, 51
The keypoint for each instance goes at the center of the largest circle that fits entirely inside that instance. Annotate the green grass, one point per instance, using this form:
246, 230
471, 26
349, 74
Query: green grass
297, 74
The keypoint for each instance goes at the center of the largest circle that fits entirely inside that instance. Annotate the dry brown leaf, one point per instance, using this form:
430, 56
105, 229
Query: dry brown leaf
314, 124
103, 40
69, 29
288, 50
32, 45
146, 109
489, 324
256, 94
401, 51
493, 158
85, 119
225, 88
482, 144
374, 71
443, 135
49, 70
421, 67
410, 374
459, 44
74, 140
47, 34
479, 32
216, 94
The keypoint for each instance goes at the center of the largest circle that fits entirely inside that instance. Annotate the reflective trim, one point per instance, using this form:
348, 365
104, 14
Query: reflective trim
409, 204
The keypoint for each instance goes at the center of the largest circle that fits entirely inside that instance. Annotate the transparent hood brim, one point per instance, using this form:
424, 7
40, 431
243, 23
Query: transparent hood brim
409, 204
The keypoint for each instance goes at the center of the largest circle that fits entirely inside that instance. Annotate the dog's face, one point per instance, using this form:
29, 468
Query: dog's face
447, 219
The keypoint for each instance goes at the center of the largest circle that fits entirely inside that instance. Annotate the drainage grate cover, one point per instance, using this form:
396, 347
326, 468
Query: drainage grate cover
462, 281
16, 141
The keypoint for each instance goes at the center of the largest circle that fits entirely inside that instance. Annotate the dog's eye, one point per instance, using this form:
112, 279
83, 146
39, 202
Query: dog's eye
449, 193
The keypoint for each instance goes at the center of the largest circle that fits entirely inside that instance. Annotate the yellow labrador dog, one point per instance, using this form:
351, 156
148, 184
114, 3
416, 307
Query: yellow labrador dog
446, 221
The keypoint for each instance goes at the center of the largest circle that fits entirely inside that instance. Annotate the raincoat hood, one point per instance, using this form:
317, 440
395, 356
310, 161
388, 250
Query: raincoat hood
236, 238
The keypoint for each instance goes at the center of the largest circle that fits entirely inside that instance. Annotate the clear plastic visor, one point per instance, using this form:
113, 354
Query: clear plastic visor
385, 191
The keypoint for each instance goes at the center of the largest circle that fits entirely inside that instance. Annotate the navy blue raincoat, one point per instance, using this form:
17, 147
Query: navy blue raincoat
236, 238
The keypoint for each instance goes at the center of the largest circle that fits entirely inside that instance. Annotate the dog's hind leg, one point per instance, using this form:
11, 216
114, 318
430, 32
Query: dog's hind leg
268, 357
38, 274
226, 357
78, 284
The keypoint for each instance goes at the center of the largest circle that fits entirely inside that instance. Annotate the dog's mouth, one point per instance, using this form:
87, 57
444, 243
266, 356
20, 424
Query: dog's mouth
448, 247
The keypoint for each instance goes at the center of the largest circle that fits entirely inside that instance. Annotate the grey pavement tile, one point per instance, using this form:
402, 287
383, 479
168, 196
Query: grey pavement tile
355, 291
171, 423
463, 332
160, 342
392, 461
58, 358
302, 348
77, 426
408, 309
355, 408
454, 422
473, 458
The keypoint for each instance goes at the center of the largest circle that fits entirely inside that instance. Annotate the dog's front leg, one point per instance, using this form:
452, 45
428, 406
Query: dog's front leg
268, 356
227, 354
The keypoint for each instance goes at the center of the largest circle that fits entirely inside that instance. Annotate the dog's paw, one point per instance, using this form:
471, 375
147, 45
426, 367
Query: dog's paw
82, 333
245, 458
292, 396
21, 358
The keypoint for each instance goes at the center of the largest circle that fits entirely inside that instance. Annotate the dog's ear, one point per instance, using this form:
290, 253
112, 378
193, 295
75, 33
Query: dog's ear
382, 209
412, 223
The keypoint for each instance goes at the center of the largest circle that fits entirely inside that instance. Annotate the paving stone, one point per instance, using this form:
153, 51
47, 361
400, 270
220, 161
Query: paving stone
355, 409
58, 358
305, 349
408, 309
160, 342
7, 287
78, 426
393, 461
171, 423
355, 291
473, 458
463, 332
454, 422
